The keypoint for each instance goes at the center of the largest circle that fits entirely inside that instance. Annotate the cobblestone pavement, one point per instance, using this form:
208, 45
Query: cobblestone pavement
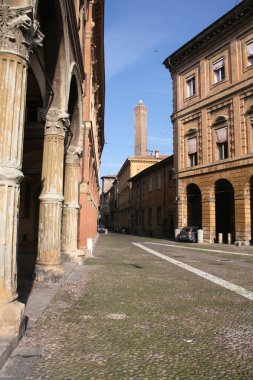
131, 315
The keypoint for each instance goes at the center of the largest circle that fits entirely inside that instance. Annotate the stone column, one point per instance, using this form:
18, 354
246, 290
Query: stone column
208, 217
71, 206
243, 219
18, 34
49, 264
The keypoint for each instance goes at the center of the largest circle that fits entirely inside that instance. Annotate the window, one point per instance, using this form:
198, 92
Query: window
159, 181
191, 86
219, 70
192, 151
250, 53
222, 142
150, 216
159, 215
150, 183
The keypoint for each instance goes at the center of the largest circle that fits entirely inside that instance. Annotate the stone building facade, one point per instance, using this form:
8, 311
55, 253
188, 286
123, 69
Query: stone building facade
153, 200
51, 130
213, 123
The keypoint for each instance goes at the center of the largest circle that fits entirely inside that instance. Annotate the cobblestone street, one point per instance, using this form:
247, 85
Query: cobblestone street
127, 314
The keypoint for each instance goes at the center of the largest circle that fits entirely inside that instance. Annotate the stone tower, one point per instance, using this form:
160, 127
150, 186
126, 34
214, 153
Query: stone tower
140, 129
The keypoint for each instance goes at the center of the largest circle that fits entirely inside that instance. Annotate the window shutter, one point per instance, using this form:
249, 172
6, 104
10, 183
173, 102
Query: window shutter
192, 145
250, 48
222, 135
218, 65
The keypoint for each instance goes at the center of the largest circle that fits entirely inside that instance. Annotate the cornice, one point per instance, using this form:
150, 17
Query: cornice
223, 25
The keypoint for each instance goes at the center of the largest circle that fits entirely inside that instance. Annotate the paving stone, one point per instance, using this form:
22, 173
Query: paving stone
128, 315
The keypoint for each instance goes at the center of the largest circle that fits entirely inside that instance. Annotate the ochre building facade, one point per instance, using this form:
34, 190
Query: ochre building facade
51, 138
153, 200
213, 128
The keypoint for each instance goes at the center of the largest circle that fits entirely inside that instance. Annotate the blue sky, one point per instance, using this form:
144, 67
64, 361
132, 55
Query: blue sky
139, 35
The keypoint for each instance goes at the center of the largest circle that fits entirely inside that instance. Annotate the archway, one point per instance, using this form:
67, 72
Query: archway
71, 175
30, 186
194, 206
45, 88
224, 209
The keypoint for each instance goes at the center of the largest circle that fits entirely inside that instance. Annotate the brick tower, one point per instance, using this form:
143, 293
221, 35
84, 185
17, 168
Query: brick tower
140, 129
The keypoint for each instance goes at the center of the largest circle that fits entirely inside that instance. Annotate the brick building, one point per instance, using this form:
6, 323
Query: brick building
213, 122
51, 138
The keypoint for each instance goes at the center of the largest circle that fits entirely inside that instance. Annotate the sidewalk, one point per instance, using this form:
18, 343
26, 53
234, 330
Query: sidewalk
39, 298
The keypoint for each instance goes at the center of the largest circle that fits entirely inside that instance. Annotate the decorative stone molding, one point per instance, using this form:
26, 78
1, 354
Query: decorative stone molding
57, 123
10, 174
73, 155
19, 33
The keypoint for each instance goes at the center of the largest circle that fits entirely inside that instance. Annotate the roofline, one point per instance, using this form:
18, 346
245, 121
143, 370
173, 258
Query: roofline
161, 164
224, 23
141, 158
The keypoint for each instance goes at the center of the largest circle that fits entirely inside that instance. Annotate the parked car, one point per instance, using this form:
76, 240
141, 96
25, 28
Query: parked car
101, 228
188, 234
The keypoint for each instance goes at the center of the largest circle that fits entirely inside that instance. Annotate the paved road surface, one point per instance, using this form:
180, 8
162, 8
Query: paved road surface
129, 314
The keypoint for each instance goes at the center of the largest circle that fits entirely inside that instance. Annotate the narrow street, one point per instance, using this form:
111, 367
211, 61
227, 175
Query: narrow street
129, 314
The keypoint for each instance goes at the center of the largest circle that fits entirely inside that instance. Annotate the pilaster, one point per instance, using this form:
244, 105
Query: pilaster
49, 264
243, 219
208, 219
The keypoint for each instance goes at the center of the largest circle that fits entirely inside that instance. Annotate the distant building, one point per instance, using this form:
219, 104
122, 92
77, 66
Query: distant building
131, 167
107, 200
140, 129
213, 127
153, 200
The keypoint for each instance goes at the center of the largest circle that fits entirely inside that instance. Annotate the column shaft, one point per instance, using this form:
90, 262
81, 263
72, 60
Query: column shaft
49, 264
71, 206
13, 74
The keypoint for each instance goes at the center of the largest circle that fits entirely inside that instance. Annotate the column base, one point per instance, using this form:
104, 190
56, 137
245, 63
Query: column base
49, 273
12, 319
74, 257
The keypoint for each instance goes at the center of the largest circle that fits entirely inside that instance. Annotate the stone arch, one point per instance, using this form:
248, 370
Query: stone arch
74, 108
194, 205
54, 55
224, 209
73, 151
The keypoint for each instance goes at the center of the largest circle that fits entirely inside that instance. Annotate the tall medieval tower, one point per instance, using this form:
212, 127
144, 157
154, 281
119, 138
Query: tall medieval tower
140, 129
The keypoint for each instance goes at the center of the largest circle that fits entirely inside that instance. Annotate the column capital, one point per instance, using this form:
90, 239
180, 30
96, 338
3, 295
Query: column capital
10, 174
73, 155
57, 122
19, 33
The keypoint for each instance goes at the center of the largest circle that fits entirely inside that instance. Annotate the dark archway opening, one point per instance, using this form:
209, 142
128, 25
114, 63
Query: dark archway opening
44, 86
30, 188
194, 206
224, 209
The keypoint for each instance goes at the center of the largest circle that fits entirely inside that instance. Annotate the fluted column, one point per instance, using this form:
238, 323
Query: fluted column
49, 264
18, 34
71, 206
